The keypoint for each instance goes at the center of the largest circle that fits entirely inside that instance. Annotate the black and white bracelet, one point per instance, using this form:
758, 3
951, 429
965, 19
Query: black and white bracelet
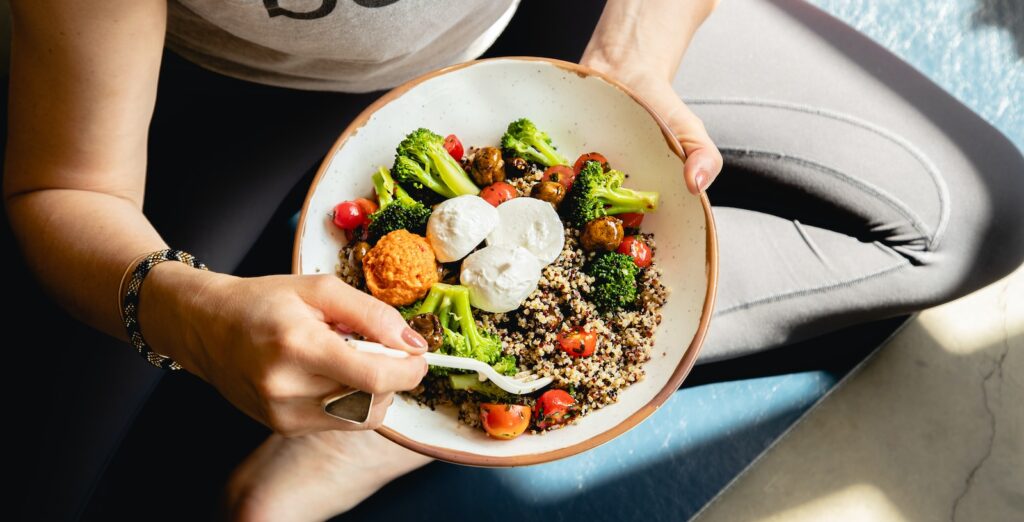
130, 302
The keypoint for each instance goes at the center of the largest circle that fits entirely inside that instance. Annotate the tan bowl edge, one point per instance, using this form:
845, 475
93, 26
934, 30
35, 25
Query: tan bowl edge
472, 459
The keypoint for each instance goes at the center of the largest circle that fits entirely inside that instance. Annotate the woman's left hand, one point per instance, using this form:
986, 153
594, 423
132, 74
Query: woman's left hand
640, 43
703, 160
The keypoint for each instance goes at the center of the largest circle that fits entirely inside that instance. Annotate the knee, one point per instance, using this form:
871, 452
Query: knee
995, 217
1004, 237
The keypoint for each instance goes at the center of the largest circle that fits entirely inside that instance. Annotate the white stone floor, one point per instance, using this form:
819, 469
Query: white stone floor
931, 427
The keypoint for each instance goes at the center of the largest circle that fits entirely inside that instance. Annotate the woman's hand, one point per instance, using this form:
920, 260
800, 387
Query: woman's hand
640, 44
271, 345
703, 160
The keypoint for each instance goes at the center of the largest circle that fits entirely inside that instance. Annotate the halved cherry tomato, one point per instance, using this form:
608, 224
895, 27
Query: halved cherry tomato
349, 215
504, 421
560, 173
577, 342
453, 146
590, 156
368, 205
553, 408
631, 219
635, 247
498, 192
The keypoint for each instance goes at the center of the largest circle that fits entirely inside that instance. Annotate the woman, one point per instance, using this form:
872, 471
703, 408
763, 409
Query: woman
861, 189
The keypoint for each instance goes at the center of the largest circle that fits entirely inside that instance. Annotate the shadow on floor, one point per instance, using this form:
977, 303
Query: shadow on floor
1004, 14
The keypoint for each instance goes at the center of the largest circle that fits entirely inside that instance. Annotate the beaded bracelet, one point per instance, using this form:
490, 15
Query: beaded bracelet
130, 302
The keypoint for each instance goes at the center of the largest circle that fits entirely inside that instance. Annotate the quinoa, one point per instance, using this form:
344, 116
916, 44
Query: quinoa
625, 337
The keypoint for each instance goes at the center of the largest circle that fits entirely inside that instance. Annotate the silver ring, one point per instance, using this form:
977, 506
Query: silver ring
351, 406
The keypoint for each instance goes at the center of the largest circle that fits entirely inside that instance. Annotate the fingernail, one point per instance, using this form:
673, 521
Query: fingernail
414, 339
701, 179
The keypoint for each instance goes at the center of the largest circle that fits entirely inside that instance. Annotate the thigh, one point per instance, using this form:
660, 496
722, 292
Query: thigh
862, 188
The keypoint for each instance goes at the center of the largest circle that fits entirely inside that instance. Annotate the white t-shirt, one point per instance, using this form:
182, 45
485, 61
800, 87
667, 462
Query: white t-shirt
333, 45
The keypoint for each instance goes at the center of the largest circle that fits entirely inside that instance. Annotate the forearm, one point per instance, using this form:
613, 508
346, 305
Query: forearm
79, 243
83, 83
647, 37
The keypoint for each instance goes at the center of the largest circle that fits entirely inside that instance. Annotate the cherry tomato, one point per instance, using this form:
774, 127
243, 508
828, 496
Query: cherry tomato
553, 408
504, 421
368, 205
631, 219
348, 215
498, 192
590, 156
635, 247
453, 146
577, 342
560, 173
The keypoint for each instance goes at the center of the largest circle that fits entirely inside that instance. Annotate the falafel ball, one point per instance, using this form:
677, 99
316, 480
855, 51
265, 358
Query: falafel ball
400, 268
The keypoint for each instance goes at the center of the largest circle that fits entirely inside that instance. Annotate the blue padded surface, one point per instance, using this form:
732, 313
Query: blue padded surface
972, 48
665, 469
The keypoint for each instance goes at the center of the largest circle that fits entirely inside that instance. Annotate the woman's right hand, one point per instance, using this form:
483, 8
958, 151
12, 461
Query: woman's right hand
271, 345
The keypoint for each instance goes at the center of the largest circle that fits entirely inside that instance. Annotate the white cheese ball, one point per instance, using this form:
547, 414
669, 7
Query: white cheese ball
458, 225
500, 277
532, 224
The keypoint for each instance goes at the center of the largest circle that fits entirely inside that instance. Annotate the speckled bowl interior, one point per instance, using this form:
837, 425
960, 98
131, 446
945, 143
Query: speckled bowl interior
582, 112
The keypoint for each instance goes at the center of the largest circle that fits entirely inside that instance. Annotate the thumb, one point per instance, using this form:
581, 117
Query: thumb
701, 168
703, 160
353, 310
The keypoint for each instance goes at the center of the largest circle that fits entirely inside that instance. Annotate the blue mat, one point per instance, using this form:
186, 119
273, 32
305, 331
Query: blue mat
671, 465
974, 49
665, 469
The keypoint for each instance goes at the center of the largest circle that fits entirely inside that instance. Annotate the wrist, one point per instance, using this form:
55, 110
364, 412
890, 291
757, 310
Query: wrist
626, 67
172, 302
644, 40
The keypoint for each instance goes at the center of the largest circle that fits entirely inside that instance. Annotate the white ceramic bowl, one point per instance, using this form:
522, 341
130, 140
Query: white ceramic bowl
582, 111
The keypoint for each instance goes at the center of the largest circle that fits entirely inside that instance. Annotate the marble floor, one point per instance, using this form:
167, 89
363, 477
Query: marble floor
931, 427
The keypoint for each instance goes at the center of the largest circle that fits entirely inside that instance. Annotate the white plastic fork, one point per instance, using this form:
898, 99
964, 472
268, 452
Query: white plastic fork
484, 370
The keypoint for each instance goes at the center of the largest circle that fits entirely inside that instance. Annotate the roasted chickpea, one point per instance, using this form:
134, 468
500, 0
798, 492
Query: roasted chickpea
488, 166
355, 256
551, 191
429, 327
515, 167
602, 234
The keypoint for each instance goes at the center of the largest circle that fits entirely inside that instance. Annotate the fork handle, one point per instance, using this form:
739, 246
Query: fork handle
372, 347
435, 359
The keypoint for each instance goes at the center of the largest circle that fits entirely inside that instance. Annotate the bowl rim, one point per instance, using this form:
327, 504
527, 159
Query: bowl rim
689, 357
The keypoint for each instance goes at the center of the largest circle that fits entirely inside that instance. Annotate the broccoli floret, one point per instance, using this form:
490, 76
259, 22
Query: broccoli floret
614, 281
455, 344
506, 365
462, 337
524, 140
422, 161
596, 193
397, 209
470, 382
410, 310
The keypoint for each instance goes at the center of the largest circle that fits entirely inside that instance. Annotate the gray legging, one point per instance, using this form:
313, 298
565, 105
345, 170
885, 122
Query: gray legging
854, 189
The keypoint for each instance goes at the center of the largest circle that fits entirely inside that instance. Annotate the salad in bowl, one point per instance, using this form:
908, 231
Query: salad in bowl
484, 209
511, 254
